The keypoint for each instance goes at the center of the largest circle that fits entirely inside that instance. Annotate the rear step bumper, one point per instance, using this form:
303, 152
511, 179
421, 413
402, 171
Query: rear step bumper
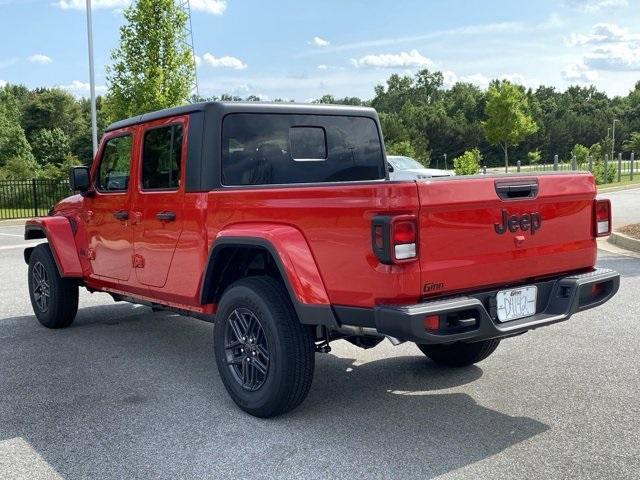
558, 299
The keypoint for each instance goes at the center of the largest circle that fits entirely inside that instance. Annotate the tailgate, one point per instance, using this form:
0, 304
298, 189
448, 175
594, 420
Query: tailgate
481, 232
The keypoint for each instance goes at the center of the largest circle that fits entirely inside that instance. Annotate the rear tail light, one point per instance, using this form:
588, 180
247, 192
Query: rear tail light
601, 217
404, 239
394, 239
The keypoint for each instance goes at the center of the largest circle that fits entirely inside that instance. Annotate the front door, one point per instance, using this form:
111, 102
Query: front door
158, 203
110, 236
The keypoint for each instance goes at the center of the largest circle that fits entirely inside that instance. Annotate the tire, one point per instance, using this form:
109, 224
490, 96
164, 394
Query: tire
460, 354
256, 324
54, 299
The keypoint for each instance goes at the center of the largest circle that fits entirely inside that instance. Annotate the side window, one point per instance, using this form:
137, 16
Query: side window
113, 171
161, 154
278, 149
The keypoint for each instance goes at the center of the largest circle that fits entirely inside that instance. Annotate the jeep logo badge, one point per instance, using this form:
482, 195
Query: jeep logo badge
513, 223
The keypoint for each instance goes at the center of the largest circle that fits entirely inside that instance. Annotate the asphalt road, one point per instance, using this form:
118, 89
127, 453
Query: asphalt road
128, 393
625, 206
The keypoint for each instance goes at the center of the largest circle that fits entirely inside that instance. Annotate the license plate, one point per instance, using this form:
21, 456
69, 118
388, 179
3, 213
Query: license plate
516, 303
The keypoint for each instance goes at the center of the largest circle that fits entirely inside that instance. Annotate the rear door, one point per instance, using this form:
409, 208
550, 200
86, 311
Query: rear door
159, 199
479, 232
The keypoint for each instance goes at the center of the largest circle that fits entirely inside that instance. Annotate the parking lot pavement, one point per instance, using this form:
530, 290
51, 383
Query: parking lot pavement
625, 206
127, 393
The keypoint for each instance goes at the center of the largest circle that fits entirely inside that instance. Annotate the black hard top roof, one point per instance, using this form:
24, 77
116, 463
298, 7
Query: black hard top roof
249, 107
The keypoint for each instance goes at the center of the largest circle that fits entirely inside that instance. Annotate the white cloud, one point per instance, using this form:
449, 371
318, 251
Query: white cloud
215, 7
468, 30
602, 33
224, 62
393, 60
319, 42
3, 83
323, 67
198, 60
82, 89
39, 58
612, 48
595, 5
82, 4
620, 57
579, 72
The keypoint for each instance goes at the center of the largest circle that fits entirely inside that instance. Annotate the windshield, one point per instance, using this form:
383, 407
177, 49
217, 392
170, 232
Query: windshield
404, 163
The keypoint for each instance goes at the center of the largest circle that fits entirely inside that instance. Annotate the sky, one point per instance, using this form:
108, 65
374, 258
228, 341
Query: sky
301, 49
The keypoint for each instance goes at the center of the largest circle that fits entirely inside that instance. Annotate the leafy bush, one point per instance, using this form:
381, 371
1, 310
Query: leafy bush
534, 157
581, 153
468, 163
598, 172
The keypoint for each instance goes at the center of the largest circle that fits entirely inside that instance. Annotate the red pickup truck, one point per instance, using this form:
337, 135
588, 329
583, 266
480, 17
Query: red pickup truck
279, 222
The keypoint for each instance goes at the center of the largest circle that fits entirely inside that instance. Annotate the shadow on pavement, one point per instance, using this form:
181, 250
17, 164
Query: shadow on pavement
125, 393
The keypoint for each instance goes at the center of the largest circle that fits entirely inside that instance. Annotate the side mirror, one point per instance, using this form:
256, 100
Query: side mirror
389, 167
79, 179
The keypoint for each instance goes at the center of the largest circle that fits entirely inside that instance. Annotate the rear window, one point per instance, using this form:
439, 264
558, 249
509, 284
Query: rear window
269, 149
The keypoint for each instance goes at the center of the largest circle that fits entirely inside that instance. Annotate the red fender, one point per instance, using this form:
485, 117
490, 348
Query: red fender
58, 232
293, 254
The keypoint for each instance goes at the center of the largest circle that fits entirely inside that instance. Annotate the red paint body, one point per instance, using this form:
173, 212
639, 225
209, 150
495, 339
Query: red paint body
322, 235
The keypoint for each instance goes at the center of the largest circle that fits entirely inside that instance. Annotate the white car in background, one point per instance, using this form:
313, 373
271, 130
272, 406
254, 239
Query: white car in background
406, 168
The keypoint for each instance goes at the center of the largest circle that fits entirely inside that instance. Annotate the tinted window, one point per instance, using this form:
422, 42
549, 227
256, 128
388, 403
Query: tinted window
308, 143
161, 154
113, 172
263, 149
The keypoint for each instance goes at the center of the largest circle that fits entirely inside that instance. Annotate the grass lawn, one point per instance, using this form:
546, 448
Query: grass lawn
624, 182
10, 213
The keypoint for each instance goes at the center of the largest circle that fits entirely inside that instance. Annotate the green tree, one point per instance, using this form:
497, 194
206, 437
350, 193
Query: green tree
468, 163
403, 148
16, 158
50, 146
508, 121
633, 143
153, 68
581, 153
534, 157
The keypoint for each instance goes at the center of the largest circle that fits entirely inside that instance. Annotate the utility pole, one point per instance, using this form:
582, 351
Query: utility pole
92, 82
613, 136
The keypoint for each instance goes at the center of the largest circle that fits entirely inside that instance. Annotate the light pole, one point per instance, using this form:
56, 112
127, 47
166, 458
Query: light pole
92, 81
613, 136
445, 161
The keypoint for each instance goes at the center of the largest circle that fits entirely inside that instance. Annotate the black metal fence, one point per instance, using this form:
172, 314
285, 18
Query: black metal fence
30, 198
620, 168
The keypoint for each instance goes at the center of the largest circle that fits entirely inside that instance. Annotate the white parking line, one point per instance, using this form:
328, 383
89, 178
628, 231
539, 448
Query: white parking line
11, 234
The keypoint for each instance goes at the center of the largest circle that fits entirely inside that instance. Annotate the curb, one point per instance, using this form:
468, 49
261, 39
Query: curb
18, 221
619, 188
624, 241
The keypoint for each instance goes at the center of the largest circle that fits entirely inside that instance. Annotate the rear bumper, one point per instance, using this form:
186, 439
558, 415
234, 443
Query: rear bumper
557, 300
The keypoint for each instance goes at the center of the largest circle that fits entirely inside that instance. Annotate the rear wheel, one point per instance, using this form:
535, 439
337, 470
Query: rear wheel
265, 356
460, 354
54, 299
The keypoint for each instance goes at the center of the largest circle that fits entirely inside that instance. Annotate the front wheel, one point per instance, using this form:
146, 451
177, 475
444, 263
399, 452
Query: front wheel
460, 354
265, 356
54, 299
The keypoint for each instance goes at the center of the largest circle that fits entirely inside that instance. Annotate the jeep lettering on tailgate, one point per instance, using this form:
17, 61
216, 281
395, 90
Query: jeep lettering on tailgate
528, 221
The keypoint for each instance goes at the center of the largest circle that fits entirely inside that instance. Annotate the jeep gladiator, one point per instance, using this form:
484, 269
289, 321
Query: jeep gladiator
279, 223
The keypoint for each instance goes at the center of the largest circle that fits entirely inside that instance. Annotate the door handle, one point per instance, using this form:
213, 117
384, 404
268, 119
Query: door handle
166, 216
121, 214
